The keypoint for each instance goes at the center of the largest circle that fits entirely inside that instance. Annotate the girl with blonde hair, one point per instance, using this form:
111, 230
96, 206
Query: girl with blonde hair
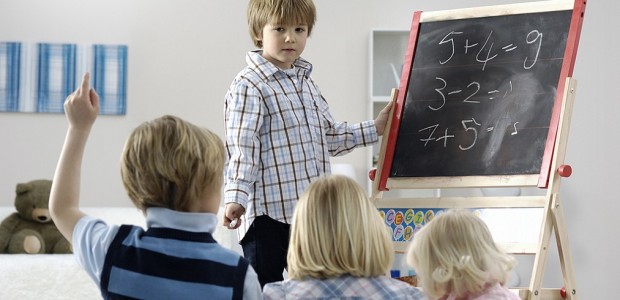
455, 258
339, 247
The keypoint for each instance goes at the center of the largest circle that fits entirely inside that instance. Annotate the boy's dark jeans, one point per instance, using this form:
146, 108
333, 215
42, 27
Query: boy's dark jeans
265, 246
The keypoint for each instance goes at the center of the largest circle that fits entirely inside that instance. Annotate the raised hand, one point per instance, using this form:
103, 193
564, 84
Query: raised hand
82, 106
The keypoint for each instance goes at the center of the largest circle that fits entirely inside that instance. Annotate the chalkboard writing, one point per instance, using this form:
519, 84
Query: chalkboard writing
480, 95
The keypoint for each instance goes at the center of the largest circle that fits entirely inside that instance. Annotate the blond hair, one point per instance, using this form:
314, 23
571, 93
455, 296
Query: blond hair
169, 162
335, 231
281, 12
455, 254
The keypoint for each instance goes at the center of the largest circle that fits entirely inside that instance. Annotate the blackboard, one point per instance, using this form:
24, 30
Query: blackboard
480, 94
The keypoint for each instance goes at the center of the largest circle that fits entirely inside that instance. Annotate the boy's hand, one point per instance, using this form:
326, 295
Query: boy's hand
382, 118
82, 106
232, 215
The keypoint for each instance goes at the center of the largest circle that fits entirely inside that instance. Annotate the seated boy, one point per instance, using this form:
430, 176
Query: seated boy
173, 172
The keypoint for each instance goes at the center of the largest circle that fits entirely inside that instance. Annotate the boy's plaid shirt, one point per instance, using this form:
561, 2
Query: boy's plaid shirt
280, 135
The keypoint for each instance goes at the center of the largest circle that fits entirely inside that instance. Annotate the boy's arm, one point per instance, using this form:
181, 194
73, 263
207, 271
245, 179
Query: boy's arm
243, 116
344, 137
81, 109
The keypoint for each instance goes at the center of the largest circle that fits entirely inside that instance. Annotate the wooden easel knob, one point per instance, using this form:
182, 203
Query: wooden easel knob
371, 174
565, 170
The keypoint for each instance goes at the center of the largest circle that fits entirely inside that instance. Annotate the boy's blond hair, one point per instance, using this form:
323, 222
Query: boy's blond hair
169, 162
337, 231
282, 12
455, 254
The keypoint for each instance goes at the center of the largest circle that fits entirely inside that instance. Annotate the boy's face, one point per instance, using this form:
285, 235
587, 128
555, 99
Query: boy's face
283, 44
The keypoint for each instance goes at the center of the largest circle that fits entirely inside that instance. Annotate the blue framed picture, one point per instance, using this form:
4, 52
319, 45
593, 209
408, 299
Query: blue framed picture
10, 68
110, 78
55, 76
38, 78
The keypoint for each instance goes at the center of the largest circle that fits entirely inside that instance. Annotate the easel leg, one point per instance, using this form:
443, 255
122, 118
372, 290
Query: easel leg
553, 220
540, 261
561, 238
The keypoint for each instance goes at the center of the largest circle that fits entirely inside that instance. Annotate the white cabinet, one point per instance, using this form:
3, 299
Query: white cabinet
387, 54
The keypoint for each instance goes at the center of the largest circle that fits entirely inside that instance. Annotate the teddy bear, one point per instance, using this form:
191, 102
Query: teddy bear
31, 229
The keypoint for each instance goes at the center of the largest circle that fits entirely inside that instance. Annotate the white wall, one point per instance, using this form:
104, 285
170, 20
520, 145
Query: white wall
183, 54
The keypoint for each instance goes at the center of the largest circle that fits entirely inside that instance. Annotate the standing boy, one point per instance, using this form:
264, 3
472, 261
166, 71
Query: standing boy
172, 171
280, 133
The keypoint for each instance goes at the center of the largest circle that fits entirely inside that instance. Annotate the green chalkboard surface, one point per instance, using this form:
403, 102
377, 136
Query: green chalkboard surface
480, 95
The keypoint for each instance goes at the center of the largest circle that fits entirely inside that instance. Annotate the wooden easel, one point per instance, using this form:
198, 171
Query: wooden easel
552, 220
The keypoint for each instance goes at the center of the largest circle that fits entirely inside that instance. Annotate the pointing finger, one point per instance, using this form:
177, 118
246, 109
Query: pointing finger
85, 82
